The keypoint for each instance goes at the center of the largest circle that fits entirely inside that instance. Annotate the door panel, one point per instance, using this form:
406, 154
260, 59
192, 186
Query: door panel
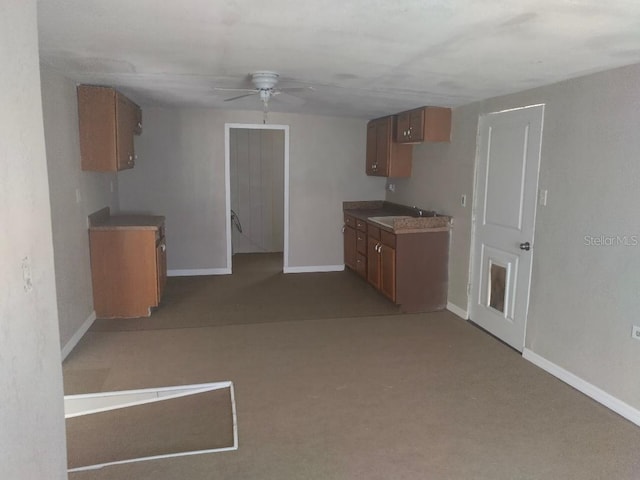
506, 166
509, 145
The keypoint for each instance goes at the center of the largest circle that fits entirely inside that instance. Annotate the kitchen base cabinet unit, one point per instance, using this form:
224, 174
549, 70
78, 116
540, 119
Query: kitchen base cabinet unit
406, 252
128, 265
410, 269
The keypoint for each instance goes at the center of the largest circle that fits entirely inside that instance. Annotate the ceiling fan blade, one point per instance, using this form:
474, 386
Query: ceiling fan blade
221, 89
296, 89
241, 96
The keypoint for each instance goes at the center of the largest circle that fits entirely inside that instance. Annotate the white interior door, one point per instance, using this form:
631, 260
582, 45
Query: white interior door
509, 146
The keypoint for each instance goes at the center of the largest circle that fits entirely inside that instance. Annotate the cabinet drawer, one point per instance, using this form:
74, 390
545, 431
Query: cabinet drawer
373, 232
388, 238
349, 221
361, 225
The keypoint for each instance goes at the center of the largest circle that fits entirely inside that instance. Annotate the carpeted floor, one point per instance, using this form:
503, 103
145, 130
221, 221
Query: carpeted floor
257, 292
384, 396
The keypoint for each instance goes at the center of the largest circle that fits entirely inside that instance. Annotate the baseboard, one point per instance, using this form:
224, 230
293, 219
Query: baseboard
73, 341
458, 311
198, 272
621, 408
314, 269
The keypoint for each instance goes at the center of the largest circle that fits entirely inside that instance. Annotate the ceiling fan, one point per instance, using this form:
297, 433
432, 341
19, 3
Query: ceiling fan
265, 83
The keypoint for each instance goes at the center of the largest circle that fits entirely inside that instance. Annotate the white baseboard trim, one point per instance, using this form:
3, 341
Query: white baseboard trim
462, 313
621, 408
314, 269
73, 341
198, 272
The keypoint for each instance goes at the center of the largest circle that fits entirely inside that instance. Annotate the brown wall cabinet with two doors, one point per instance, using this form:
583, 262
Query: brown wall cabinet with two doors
390, 139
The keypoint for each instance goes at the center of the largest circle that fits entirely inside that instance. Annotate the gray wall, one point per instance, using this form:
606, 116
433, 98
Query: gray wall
32, 438
69, 217
180, 174
584, 299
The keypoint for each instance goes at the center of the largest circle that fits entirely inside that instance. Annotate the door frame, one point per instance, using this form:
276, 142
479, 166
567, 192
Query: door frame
227, 184
474, 215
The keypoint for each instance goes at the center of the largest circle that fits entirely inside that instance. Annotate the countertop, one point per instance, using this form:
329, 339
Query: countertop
103, 220
430, 222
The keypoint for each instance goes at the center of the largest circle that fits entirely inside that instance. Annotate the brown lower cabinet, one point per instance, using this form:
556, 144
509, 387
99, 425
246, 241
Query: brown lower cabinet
128, 269
411, 269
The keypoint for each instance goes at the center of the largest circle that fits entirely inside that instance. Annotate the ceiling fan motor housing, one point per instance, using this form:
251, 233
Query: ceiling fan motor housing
264, 80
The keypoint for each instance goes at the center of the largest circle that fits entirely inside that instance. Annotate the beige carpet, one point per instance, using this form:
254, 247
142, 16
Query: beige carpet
201, 421
256, 292
420, 396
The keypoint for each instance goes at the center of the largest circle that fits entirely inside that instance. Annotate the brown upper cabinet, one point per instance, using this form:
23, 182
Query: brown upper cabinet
425, 124
108, 121
385, 157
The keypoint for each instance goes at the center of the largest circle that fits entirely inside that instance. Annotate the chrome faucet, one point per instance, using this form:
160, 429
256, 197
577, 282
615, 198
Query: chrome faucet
419, 211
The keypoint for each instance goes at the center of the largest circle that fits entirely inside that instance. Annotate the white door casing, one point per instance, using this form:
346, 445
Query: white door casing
227, 154
508, 164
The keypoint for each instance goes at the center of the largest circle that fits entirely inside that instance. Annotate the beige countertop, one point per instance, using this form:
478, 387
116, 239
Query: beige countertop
103, 220
399, 219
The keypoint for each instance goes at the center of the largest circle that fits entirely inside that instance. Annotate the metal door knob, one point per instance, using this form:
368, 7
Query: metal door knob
525, 246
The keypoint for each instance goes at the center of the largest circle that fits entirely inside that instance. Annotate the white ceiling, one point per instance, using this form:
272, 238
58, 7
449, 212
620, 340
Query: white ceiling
365, 58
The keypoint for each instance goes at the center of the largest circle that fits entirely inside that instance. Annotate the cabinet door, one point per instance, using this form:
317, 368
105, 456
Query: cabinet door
403, 127
97, 128
373, 262
416, 125
124, 272
126, 120
161, 267
350, 247
371, 148
138, 120
361, 265
383, 145
388, 271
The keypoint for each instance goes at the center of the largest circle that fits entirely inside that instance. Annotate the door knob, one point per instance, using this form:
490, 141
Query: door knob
525, 246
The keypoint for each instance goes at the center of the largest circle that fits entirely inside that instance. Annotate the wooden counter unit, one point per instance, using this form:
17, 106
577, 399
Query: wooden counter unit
128, 264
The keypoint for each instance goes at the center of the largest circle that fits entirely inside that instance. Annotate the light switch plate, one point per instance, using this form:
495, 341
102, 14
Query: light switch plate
542, 197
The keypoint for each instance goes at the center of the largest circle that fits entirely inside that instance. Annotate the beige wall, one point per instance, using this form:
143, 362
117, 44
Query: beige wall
180, 174
32, 438
69, 217
584, 299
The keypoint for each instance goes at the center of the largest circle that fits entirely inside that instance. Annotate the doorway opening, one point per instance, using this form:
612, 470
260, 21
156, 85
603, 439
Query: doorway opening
257, 191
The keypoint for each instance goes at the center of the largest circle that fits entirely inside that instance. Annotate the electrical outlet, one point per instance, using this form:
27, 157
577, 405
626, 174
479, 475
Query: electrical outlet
391, 187
635, 332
